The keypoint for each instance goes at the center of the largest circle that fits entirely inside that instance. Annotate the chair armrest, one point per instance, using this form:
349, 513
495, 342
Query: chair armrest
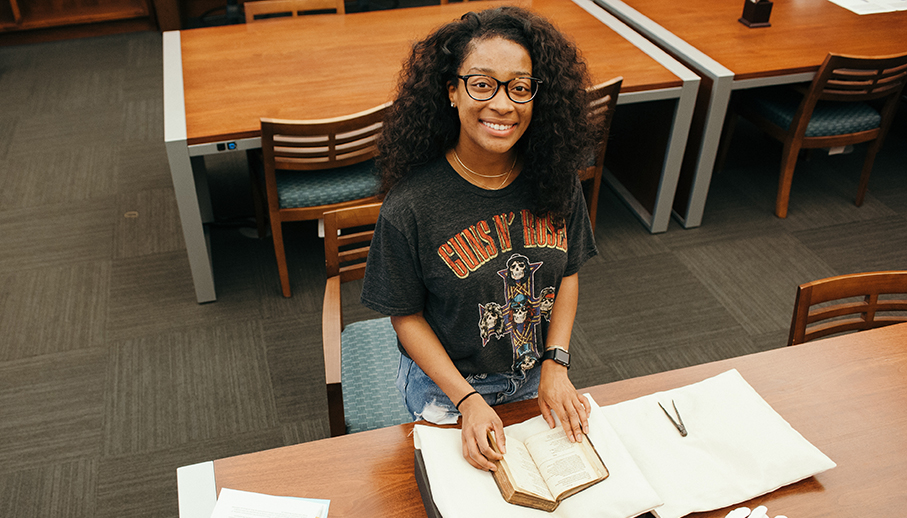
331, 327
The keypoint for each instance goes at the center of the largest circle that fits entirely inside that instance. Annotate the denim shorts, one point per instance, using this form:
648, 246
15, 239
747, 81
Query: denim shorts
425, 400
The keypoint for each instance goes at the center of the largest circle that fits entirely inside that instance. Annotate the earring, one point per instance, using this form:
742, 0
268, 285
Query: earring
453, 104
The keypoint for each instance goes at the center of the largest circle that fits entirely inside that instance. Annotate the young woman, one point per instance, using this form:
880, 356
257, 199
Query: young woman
484, 227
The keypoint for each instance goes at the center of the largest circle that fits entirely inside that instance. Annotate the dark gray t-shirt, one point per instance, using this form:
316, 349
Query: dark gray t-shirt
483, 270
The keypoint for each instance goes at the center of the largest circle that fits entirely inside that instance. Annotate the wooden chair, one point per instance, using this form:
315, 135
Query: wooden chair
877, 292
269, 9
361, 360
851, 100
311, 167
603, 104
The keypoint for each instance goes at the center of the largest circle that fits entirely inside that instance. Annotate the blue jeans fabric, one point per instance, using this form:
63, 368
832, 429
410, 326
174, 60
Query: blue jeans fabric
420, 392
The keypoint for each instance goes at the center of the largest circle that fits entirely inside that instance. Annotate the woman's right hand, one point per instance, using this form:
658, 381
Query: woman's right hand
478, 419
426, 350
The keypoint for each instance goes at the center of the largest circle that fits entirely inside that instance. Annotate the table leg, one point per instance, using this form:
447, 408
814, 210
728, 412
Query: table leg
711, 105
656, 215
189, 178
194, 203
702, 147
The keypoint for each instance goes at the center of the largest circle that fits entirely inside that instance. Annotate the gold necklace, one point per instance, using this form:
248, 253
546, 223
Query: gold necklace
505, 175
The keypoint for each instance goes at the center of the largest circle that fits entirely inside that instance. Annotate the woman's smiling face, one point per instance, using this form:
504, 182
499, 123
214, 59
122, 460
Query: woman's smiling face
494, 126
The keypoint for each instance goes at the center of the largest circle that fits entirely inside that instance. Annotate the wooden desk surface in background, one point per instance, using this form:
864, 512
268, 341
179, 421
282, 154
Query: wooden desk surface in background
846, 395
802, 33
330, 65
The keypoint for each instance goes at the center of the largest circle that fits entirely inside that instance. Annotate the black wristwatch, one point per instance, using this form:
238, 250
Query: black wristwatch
557, 354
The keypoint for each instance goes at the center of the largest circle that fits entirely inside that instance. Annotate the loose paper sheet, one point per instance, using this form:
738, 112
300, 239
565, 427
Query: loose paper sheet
737, 446
233, 503
461, 491
872, 6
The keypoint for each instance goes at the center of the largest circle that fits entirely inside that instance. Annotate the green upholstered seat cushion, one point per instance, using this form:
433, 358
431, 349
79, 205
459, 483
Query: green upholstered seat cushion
369, 362
779, 105
298, 189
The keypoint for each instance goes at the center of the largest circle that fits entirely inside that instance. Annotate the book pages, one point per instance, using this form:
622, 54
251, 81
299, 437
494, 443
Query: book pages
560, 470
524, 471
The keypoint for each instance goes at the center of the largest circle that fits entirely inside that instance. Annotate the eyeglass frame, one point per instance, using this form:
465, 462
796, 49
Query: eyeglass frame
506, 84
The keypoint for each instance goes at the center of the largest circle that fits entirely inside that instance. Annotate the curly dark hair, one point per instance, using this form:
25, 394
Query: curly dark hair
421, 126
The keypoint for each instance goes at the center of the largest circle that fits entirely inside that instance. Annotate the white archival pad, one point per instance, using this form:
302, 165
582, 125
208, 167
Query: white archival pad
460, 490
737, 446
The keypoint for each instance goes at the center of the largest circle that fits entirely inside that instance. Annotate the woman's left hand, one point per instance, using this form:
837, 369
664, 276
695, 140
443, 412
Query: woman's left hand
556, 392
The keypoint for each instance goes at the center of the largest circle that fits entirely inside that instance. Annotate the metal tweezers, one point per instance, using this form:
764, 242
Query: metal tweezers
679, 422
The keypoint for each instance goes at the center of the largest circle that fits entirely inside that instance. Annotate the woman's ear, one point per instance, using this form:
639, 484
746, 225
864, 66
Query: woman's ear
452, 93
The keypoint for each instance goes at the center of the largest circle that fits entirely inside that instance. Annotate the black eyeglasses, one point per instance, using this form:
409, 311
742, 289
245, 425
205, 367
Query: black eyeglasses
520, 90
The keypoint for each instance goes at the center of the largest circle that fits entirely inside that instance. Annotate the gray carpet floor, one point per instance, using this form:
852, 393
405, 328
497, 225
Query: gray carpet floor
111, 376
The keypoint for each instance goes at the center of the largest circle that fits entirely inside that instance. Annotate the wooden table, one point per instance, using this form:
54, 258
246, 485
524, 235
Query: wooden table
706, 35
219, 81
847, 395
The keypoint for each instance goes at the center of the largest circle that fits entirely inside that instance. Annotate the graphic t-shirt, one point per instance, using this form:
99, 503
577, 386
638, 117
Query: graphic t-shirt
479, 265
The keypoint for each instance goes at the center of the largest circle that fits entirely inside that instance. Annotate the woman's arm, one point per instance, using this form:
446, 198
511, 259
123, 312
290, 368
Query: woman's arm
556, 392
423, 346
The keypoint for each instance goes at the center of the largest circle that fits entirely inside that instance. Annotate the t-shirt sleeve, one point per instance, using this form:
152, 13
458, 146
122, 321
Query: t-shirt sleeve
580, 240
393, 282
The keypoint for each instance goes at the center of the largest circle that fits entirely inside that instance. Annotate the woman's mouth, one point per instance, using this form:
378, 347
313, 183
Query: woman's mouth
498, 127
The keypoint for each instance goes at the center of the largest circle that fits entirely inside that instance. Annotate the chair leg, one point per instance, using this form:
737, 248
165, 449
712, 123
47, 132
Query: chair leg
727, 132
788, 163
867, 169
335, 410
282, 271
594, 189
593, 213
258, 195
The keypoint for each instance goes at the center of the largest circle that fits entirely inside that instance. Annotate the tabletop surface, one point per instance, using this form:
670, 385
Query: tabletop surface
330, 65
802, 33
846, 395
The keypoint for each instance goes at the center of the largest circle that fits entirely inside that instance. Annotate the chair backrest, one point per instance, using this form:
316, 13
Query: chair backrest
853, 302
345, 254
846, 78
602, 105
373, 343
855, 78
308, 145
269, 9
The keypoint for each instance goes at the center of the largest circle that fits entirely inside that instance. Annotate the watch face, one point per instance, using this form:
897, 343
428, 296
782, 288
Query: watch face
559, 355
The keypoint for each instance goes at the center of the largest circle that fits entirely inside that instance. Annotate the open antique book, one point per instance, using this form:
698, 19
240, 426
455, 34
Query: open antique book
546, 468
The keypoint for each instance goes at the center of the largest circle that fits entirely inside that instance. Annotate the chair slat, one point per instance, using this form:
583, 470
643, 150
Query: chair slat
358, 237
355, 254
266, 9
853, 308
